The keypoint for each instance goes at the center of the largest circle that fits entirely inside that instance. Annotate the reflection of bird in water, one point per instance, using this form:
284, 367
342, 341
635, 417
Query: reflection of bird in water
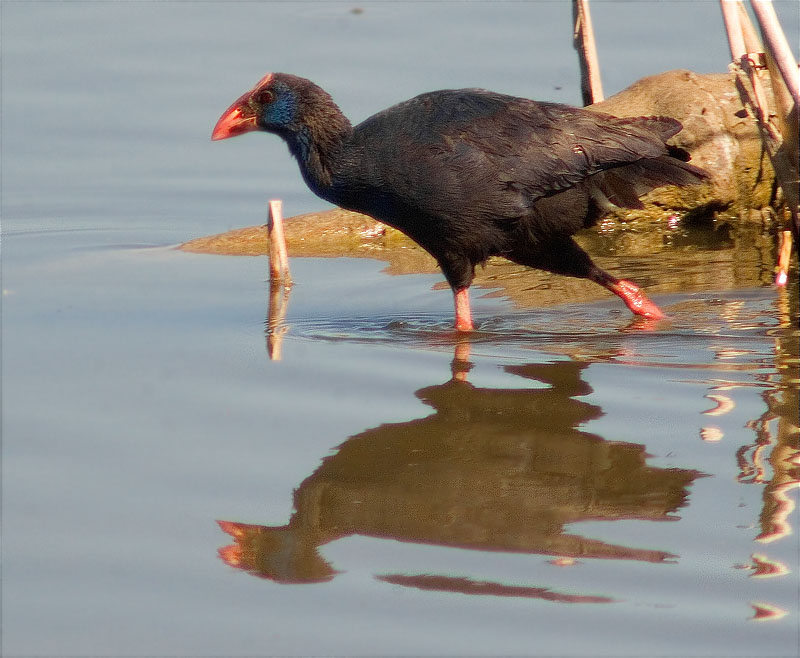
490, 470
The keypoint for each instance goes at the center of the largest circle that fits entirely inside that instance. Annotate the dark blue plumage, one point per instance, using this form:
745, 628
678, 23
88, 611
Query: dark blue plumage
469, 173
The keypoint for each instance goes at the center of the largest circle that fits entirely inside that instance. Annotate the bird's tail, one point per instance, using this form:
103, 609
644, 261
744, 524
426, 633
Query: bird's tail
622, 186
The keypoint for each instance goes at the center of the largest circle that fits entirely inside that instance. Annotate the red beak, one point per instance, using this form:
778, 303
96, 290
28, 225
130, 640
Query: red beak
236, 120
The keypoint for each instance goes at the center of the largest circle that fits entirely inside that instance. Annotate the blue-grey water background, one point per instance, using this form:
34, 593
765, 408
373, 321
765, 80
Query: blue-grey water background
140, 408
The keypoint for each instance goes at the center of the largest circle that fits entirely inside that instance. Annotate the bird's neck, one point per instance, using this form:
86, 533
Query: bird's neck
319, 146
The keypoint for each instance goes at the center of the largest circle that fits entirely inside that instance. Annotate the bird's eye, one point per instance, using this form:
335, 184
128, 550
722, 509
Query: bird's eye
266, 97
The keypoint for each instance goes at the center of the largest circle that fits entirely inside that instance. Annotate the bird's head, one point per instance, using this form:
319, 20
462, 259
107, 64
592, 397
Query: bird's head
272, 105
299, 111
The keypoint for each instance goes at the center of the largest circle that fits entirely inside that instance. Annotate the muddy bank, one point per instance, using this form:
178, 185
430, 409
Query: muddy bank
693, 256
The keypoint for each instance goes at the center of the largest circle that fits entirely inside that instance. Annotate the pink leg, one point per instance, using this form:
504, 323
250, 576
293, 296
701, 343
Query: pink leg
463, 313
635, 299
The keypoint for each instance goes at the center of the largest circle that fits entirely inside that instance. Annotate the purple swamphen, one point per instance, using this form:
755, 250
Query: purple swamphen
470, 174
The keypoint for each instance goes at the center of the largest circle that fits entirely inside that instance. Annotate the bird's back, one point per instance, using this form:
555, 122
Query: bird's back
493, 155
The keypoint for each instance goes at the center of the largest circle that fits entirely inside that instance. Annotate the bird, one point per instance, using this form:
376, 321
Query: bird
469, 173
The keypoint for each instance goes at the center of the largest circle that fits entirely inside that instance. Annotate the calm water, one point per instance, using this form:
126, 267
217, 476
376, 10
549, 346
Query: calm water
565, 482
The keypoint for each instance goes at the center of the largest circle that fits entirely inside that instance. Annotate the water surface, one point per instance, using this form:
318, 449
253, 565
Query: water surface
566, 481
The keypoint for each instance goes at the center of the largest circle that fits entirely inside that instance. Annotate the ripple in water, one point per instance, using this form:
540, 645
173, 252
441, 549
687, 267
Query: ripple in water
699, 329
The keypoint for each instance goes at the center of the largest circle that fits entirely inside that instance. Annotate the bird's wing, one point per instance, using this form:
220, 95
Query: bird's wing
498, 153
545, 148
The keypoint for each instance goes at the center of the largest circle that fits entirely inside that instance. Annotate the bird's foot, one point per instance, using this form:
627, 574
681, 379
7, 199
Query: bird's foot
636, 300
